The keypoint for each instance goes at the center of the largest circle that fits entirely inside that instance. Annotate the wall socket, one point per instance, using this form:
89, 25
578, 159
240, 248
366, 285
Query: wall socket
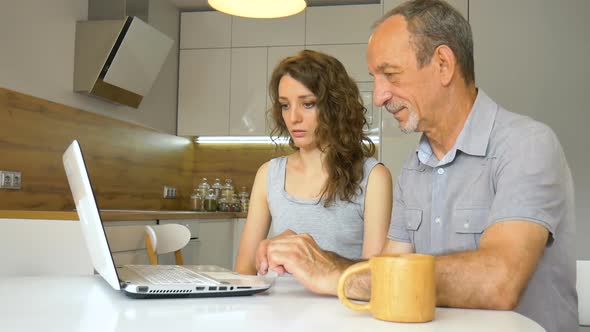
169, 192
10, 180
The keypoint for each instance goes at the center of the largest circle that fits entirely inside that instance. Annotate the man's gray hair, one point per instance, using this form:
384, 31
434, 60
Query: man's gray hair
432, 23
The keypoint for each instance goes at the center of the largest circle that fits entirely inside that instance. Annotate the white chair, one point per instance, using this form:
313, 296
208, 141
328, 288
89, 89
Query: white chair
583, 288
163, 239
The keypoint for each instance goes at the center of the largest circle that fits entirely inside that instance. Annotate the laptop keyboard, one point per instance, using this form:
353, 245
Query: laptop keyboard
170, 275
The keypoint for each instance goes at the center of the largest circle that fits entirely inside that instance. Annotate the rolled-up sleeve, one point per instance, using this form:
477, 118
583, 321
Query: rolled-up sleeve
531, 179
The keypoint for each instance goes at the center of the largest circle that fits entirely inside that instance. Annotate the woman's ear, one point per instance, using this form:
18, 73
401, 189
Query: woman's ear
446, 63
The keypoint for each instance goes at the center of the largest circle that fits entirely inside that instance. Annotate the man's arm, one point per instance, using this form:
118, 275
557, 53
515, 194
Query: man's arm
494, 276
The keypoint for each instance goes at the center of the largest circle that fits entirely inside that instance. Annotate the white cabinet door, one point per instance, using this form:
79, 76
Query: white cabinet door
239, 224
340, 24
216, 242
284, 31
248, 91
203, 92
352, 56
461, 5
33, 247
205, 30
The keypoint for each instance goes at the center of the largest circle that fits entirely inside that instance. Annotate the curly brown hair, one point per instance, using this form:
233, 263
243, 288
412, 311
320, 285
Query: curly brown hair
341, 119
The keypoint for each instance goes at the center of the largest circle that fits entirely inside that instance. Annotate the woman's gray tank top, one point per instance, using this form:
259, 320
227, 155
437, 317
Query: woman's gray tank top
338, 228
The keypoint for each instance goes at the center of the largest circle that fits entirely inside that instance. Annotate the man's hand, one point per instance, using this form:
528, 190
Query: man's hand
300, 255
261, 254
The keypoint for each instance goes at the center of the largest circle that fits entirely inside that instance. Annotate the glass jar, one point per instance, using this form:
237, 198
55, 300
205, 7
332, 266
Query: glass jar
217, 186
228, 189
244, 200
196, 201
210, 201
203, 188
234, 205
222, 204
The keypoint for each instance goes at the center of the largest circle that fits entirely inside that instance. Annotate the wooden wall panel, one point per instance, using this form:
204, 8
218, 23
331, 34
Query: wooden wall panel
128, 164
236, 161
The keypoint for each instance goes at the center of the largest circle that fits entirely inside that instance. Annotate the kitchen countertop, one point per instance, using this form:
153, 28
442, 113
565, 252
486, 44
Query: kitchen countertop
121, 215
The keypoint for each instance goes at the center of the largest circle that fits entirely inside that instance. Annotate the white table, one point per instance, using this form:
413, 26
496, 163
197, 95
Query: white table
88, 304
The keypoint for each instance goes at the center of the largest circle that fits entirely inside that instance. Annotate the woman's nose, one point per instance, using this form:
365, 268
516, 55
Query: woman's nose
295, 114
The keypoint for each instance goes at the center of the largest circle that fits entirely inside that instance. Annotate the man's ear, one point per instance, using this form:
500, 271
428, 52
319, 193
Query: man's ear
446, 62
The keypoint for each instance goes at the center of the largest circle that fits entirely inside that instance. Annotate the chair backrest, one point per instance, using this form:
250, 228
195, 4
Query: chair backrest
33, 247
583, 288
163, 239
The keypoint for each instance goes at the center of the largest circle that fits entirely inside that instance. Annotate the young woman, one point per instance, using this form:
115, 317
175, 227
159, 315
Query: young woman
330, 187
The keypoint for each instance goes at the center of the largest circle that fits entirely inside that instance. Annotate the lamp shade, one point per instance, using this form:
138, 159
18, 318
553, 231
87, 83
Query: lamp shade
259, 8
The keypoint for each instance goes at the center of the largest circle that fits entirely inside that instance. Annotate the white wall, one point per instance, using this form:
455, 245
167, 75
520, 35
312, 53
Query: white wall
37, 58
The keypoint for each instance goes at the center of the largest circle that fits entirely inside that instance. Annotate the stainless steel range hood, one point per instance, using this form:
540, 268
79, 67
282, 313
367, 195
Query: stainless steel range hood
118, 60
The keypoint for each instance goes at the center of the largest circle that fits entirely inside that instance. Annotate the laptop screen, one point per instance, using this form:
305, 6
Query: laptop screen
87, 209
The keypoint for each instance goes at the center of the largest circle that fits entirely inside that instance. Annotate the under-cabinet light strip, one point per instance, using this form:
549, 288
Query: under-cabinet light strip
249, 140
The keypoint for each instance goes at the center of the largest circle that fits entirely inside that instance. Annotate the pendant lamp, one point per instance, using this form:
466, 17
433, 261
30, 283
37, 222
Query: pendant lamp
259, 8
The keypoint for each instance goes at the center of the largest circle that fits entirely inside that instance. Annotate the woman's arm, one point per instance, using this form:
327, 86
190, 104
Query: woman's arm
378, 202
257, 224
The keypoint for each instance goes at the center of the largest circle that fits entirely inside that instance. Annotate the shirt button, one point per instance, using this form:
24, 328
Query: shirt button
437, 220
440, 171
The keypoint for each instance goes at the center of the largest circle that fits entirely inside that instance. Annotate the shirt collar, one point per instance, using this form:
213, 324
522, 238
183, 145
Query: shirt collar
474, 136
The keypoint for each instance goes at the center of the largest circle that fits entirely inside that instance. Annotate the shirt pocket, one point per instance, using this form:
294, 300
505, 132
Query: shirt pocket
468, 225
413, 218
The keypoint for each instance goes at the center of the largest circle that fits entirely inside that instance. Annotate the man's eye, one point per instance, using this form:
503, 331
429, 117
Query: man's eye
390, 76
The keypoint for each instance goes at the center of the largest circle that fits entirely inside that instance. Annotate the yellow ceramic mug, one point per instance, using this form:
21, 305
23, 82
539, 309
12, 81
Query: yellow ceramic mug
402, 287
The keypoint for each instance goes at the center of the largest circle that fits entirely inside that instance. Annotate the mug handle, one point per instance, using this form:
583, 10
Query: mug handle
358, 267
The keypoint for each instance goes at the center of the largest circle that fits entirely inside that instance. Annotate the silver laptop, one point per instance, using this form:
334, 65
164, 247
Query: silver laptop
146, 281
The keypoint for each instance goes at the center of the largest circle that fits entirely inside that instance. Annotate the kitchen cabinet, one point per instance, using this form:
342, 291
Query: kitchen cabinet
216, 237
34, 247
248, 90
284, 31
203, 92
461, 5
340, 24
126, 241
209, 29
224, 91
352, 56
239, 224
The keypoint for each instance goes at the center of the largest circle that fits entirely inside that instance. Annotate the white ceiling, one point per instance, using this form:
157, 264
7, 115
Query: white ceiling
196, 5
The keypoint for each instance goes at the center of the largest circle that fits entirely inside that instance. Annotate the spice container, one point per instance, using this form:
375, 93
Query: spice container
234, 205
210, 201
217, 186
222, 204
228, 189
203, 188
196, 201
244, 200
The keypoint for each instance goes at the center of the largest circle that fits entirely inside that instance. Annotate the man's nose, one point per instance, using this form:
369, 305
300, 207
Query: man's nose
381, 94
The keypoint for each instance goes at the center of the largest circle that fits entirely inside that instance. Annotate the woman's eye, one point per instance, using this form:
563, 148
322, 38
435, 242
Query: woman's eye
284, 107
309, 105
